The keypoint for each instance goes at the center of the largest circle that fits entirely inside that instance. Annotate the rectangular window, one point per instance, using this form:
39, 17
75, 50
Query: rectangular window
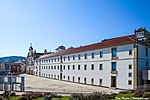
85, 56
93, 55
130, 75
64, 76
113, 66
92, 66
58, 67
78, 67
130, 52
146, 63
130, 66
64, 67
79, 57
68, 67
129, 82
68, 58
64, 58
85, 68
100, 66
146, 52
58, 59
54, 67
55, 59
51, 67
101, 54
73, 67
114, 52
73, 57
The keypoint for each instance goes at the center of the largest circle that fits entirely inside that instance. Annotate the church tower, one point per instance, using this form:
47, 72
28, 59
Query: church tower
30, 60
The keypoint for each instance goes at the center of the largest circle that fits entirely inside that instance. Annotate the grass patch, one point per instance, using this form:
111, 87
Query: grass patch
124, 95
63, 98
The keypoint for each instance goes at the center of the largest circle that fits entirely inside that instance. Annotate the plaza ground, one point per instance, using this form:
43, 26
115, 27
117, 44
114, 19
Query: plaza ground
40, 84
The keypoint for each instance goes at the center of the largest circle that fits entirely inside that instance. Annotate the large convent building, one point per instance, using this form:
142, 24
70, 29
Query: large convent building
122, 62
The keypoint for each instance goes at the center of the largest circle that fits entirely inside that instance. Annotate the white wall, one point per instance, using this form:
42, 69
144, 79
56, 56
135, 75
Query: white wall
123, 61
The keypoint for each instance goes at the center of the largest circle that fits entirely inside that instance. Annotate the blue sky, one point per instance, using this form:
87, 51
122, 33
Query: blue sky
50, 23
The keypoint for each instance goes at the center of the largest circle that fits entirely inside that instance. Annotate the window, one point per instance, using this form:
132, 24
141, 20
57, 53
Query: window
130, 52
130, 66
85, 80
146, 63
101, 54
58, 59
68, 67
64, 67
92, 66
68, 58
85, 56
64, 76
73, 57
113, 66
100, 67
85, 68
79, 57
55, 59
64, 58
73, 67
146, 52
54, 67
114, 52
52, 60
93, 55
51, 67
57, 76
58, 67
78, 67
129, 82
130, 75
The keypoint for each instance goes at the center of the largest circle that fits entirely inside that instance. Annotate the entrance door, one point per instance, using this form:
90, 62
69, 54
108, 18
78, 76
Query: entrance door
60, 76
113, 81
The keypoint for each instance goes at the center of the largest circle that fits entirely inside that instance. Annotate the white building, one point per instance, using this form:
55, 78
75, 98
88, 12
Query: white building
117, 62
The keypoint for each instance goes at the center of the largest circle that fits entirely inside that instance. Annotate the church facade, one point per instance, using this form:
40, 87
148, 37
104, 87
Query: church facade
121, 62
32, 55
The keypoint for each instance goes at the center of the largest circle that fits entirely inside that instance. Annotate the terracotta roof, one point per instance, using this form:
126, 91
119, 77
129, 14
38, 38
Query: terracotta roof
140, 29
104, 44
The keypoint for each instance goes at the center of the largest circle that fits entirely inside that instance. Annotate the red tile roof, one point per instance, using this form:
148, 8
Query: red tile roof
104, 44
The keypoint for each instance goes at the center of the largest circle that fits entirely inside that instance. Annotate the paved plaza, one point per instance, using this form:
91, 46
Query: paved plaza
39, 84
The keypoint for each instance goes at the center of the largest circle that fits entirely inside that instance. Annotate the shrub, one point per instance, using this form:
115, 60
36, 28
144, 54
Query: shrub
146, 94
25, 98
77, 96
13, 94
1, 98
147, 89
138, 93
92, 96
96, 96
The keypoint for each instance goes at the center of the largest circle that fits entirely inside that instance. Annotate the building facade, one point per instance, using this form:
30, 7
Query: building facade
117, 62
